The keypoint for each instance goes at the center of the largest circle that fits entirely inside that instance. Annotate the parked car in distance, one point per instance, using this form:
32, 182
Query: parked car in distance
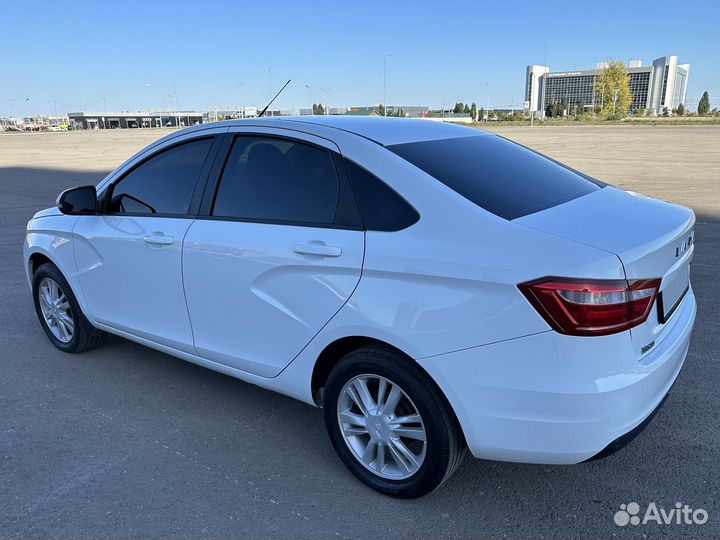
434, 288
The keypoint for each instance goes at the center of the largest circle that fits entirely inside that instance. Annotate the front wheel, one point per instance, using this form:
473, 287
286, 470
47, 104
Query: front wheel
59, 312
389, 423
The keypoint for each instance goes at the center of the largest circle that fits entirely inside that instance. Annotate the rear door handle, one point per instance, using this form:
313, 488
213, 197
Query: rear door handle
158, 239
318, 249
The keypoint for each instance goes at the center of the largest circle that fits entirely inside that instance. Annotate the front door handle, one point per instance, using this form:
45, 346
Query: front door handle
318, 249
158, 239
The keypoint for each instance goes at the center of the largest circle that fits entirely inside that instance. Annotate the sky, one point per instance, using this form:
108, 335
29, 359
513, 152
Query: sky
134, 55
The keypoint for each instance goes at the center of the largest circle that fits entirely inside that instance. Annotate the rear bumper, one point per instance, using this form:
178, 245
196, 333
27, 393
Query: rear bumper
550, 398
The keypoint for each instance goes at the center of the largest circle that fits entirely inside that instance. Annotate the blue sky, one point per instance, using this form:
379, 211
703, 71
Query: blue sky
213, 53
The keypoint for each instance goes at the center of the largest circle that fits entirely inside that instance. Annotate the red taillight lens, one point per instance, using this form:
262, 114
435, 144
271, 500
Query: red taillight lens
591, 307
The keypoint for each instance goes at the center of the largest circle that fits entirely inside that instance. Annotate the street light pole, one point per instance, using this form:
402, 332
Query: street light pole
487, 111
237, 97
532, 105
385, 83
177, 105
327, 106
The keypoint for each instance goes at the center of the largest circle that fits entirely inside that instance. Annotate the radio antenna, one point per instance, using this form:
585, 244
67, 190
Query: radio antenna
273, 99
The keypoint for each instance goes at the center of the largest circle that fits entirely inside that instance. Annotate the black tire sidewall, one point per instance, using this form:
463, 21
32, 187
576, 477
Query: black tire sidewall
436, 421
50, 271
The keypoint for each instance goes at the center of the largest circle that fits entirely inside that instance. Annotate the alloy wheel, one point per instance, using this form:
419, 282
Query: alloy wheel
56, 311
382, 426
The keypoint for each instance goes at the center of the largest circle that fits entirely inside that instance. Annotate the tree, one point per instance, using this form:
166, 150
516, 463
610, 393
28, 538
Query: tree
681, 110
564, 107
317, 108
473, 111
381, 110
704, 104
581, 106
666, 111
481, 114
467, 109
554, 109
612, 89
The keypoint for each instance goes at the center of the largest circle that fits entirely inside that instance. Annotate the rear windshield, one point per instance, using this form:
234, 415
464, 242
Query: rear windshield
500, 176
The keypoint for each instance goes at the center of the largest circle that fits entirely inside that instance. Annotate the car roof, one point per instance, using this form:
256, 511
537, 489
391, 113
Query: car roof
384, 131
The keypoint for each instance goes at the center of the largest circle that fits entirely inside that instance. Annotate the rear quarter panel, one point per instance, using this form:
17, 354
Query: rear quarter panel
449, 281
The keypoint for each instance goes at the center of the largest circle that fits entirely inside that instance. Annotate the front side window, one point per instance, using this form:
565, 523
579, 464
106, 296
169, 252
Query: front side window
278, 180
500, 176
164, 184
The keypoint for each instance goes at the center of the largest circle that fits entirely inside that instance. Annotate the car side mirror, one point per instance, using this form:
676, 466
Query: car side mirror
78, 201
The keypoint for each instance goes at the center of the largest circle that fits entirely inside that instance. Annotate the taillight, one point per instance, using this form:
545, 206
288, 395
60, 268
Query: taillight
591, 307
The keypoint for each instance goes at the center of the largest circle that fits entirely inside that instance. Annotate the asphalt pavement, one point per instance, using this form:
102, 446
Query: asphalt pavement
127, 442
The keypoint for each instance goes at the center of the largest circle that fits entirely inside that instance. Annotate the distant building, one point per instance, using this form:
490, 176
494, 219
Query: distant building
148, 119
664, 84
363, 111
411, 111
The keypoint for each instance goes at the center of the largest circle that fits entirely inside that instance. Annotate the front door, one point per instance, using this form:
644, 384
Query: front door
130, 258
277, 256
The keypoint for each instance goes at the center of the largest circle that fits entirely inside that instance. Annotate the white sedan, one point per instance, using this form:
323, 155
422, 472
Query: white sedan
434, 288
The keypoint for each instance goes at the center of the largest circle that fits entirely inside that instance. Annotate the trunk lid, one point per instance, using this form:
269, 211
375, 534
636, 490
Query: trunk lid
652, 239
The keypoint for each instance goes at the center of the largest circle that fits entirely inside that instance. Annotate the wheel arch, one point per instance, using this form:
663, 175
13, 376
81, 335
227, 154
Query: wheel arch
337, 349
37, 259
38, 254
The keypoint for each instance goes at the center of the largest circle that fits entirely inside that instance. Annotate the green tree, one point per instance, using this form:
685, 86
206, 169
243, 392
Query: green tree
666, 111
467, 109
554, 109
481, 114
612, 89
581, 106
317, 108
681, 110
704, 104
564, 107
381, 110
473, 111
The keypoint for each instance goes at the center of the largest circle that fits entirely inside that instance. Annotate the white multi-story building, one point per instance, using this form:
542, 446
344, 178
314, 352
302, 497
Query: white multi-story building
664, 84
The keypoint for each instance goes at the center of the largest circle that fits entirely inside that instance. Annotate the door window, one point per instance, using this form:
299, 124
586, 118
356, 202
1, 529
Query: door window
276, 180
163, 184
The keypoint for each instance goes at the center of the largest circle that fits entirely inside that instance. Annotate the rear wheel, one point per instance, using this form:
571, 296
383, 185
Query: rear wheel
389, 423
59, 312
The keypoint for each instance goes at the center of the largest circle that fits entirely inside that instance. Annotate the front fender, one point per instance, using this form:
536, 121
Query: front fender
52, 237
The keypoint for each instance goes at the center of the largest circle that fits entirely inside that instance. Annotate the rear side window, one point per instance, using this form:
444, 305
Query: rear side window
496, 174
382, 209
279, 180
164, 184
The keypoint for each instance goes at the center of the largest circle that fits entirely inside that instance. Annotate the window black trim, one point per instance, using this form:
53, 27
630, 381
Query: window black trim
193, 209
212, 185
285, 223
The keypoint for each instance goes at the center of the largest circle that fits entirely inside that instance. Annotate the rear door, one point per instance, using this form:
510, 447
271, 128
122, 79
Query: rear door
275, 253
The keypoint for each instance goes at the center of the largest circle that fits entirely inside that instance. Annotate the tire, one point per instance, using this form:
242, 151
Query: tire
387, 435
82, 336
